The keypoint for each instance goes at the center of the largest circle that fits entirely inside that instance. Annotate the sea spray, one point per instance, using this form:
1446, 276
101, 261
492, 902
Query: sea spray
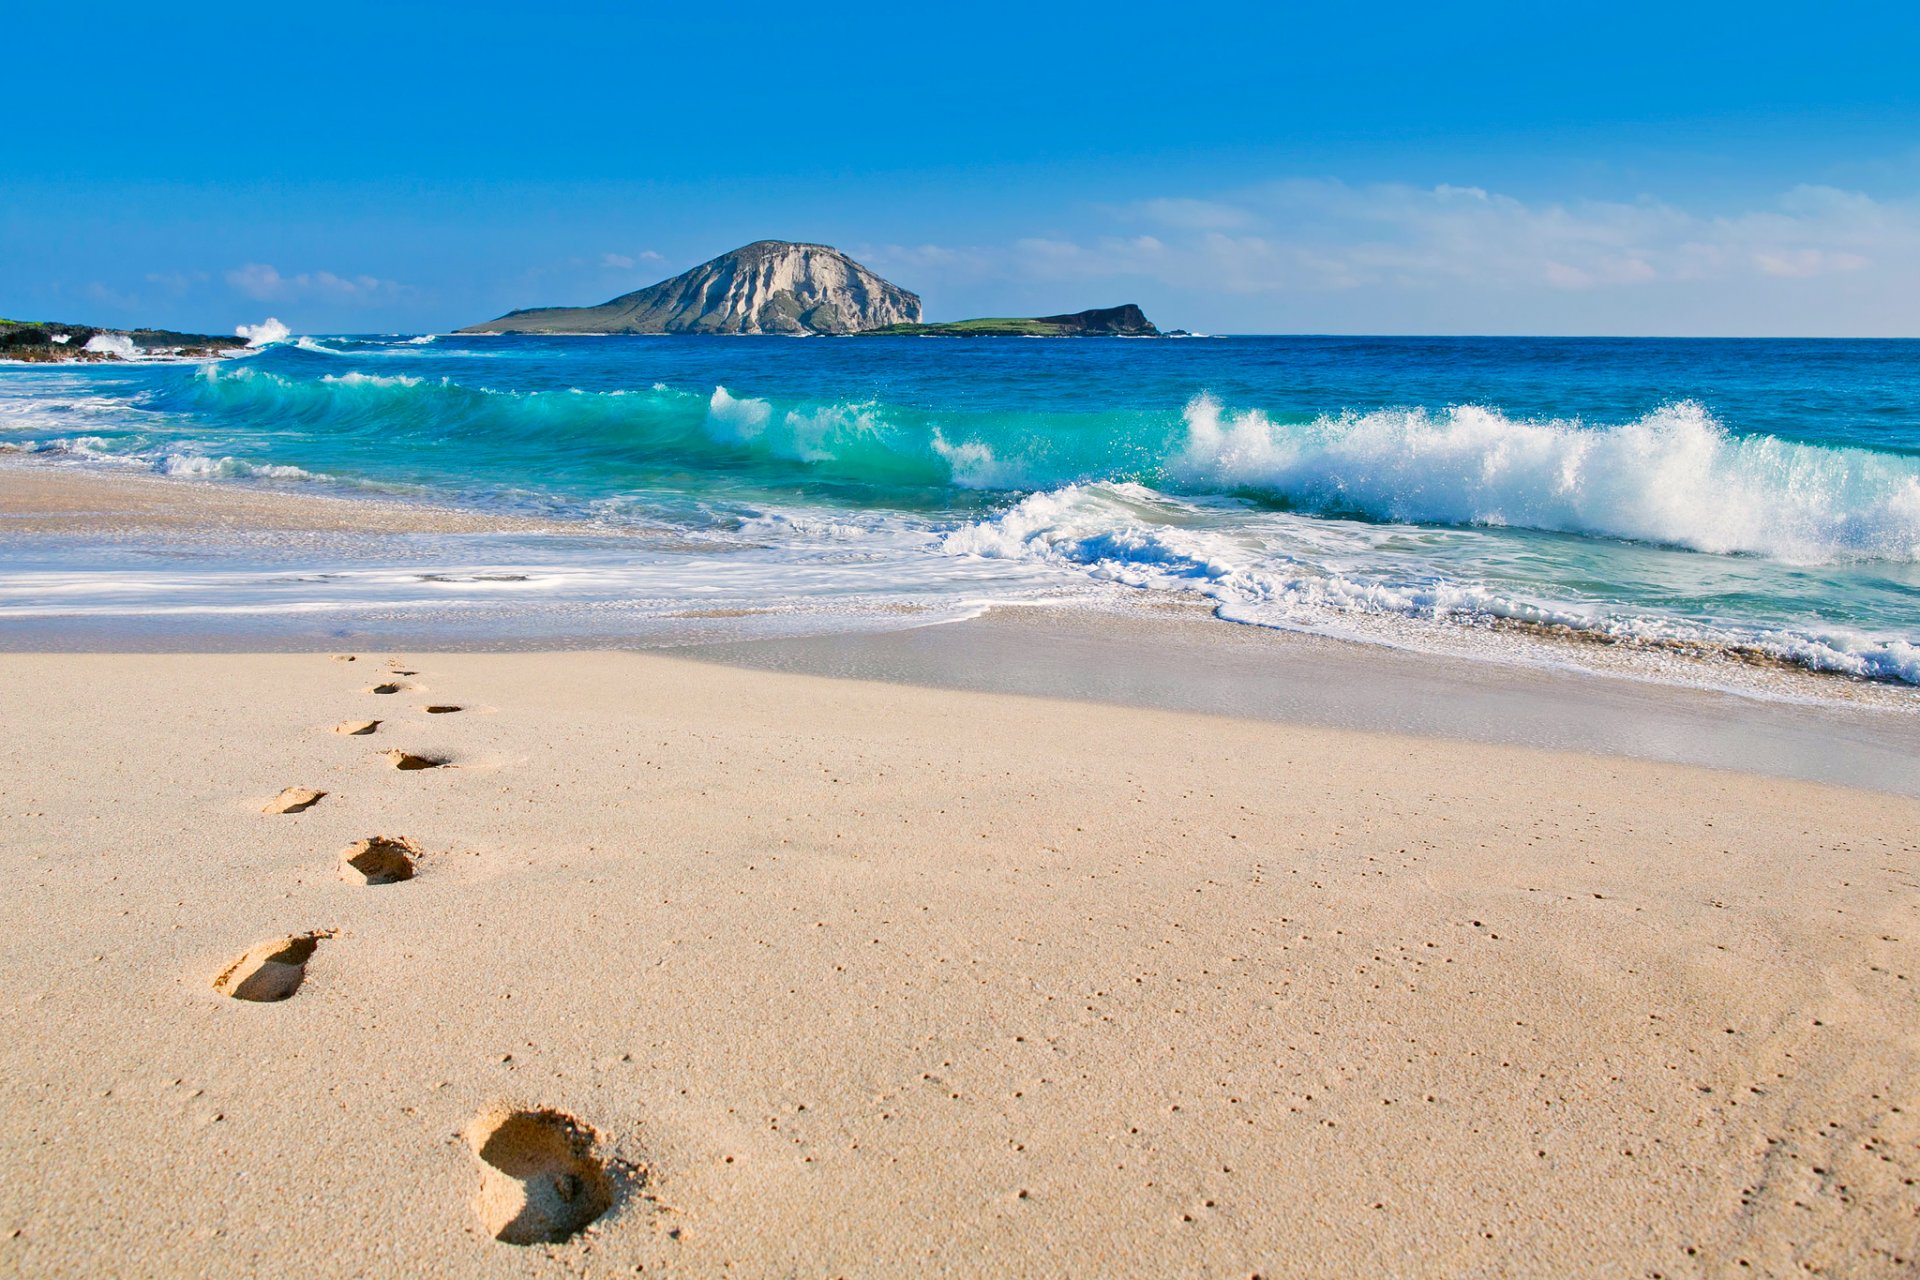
264, 334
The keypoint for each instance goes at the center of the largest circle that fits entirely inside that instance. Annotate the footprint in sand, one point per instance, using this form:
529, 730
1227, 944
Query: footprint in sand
293, 800
345, 657
379, 860
393, 686
408, 760
541, 1180
356, 727
441, 708
271, 971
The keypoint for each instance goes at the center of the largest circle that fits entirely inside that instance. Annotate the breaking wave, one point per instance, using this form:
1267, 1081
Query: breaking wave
1675, 476
1665, 529
264, 334
1292, 576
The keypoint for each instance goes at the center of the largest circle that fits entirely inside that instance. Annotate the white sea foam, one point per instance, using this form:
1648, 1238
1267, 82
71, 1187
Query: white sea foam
974, 465
1295, 574
113, 344
1675, 476
204, 468
733, 420
358, 379
816, 433
820, 434
1420, 564
264, 334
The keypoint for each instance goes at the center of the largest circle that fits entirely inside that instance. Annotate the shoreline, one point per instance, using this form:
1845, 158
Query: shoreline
1170, 653
1185, 661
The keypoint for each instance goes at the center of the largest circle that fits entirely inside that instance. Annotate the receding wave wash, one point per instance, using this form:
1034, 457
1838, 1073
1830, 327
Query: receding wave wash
1666, 493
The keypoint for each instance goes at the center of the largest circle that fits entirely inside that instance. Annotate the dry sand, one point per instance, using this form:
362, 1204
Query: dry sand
813, 977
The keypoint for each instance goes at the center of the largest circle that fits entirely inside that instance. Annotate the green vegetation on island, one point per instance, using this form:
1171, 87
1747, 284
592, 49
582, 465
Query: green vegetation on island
1105, 322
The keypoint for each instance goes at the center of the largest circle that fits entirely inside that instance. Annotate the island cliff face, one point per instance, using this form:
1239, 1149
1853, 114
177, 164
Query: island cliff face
771, 286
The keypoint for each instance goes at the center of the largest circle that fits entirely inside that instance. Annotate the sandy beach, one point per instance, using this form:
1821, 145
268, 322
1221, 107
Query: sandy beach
1227, 642
837, 977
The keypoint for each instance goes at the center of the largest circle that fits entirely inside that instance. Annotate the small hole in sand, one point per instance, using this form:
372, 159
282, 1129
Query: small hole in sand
541, 1180
390, 686
356, 727
293, 800
408, 760
441, 709
379, 860
271, 971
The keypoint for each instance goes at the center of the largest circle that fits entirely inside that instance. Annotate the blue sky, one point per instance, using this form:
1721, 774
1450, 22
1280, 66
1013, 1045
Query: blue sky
1495, 168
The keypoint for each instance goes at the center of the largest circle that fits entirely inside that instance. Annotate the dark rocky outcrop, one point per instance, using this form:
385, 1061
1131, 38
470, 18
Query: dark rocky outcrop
52, 342
1126, 321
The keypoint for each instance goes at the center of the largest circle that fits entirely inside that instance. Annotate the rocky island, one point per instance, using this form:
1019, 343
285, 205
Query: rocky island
770, 286
48, 342
786, 287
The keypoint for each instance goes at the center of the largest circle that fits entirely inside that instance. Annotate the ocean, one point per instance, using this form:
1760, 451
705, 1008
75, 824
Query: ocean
1501, 497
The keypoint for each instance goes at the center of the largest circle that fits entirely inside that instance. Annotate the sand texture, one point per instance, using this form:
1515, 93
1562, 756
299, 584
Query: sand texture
44, 500
671, 968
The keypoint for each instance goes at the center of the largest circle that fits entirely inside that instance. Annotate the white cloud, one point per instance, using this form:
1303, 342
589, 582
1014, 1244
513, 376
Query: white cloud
1808, 262
265, 283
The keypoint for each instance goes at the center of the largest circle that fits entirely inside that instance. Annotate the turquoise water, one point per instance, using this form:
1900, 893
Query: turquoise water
1754, 494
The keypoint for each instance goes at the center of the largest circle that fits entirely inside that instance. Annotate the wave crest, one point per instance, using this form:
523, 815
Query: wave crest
1675, 476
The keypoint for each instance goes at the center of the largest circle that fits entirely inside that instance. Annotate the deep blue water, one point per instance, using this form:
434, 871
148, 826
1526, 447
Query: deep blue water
1715, 492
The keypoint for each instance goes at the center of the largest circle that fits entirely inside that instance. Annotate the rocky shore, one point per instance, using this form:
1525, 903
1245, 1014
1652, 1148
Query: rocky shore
47, 342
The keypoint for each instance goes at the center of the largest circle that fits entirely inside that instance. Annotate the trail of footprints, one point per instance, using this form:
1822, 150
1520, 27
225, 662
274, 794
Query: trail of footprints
542, 1177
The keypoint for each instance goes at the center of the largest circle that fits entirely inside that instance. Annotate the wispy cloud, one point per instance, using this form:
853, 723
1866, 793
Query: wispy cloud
265, 283
106, 295
628, 261
1196, 215
176, 283
947, 260
1331, 236
1311, 235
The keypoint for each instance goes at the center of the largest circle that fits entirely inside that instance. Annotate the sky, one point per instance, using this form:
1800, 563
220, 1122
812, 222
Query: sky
1631, 168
